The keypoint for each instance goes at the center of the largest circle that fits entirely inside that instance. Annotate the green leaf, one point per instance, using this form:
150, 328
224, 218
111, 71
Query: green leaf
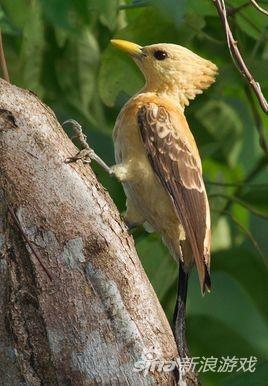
216, 171
80, 62
27, 54
204, 8
259, 69
67, 13
173, 8
57, 11
258, 200
257, 378
252, 22
17, 11
221, 236
6, 24
229, 342
119, 78
249, 270
25, 68
158, 263
240, 219
107, 10
230, 300
223, 122
32, 49
208, 336
161, 27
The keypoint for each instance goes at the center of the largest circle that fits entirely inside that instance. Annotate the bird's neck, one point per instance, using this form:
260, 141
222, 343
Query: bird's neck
170, 91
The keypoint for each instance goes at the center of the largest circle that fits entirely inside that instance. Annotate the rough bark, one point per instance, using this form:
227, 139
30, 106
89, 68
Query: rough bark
94, 318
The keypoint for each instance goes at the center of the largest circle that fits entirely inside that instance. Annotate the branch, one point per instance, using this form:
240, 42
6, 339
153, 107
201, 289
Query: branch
237, 183
257, 120
261, 164
231, 11
240, 202
259, 8
3, 62
237, 57
137, 4
99, 314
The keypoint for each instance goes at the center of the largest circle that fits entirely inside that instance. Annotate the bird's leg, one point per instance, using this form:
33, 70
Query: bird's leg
86, 154
180, 313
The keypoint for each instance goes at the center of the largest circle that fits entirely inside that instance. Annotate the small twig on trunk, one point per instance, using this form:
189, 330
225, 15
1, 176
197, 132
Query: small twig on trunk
3, 60
237, 57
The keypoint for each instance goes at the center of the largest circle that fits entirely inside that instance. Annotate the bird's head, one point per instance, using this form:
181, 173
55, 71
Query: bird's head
171, 69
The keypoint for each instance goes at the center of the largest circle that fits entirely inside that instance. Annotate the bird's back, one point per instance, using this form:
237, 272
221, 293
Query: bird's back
126, 123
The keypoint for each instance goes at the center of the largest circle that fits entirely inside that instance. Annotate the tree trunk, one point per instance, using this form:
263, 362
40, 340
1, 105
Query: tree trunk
89, 313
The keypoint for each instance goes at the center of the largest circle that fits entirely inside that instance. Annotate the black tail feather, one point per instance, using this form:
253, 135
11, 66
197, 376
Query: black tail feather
207, 280
179, 314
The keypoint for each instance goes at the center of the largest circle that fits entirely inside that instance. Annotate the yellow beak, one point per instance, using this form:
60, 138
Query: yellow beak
131, 48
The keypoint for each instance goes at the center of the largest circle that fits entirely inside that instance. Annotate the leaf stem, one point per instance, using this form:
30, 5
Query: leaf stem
246, 231
254, 172
258, 7
240, 202
234, 184
236, 55
140, 4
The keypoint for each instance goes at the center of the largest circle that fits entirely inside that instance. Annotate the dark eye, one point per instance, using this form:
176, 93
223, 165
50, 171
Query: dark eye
160, 55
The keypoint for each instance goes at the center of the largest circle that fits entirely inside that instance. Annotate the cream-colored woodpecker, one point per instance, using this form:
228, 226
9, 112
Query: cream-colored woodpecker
158, 162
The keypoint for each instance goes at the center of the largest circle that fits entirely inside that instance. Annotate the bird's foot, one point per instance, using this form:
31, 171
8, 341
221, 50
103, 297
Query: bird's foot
86, 154
130, 225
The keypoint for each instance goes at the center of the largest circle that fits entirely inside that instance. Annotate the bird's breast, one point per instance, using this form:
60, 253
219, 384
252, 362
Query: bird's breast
143, 187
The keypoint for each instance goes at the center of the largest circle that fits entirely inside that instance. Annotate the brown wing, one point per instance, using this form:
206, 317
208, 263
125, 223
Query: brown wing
180, 173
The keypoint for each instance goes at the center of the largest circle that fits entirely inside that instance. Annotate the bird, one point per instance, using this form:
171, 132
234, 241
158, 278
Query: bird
158, 162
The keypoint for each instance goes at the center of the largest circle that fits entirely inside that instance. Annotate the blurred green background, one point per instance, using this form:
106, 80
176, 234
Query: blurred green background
60, 50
